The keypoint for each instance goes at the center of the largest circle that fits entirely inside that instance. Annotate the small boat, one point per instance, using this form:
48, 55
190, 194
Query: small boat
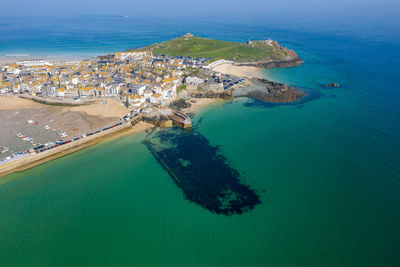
47, 127
20, 135
62, 134
36, 123
27, 139
4, 150
30, 121
75, 129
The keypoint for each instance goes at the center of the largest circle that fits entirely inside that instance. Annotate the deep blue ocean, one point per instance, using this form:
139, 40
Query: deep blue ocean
327, 171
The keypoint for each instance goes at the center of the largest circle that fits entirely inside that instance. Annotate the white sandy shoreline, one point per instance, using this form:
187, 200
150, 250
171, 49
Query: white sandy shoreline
240, 71
199, 103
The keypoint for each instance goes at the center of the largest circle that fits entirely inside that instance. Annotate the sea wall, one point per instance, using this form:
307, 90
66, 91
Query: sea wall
55, 102
269, 64
218, 62
33, 160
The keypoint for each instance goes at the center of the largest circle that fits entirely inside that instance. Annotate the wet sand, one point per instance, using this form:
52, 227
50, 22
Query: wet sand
16, 103
139, 127
15, 113
106, 108
199, 103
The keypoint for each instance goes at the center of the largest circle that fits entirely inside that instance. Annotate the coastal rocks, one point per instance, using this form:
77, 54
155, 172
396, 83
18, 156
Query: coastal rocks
269, 64
180, 104
210, 94
332, 85
226, 95
205, 94
287, 58
277, 96
268, 91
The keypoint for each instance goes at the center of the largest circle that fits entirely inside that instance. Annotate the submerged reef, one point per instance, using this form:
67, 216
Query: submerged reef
202, 172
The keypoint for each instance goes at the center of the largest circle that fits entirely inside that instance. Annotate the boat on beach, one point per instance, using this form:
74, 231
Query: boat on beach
62, 134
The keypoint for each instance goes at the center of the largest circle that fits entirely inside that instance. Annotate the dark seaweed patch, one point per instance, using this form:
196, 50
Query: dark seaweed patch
202, 172
311, 94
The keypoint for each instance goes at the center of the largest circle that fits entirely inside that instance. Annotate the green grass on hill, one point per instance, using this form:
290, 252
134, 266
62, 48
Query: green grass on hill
203, 47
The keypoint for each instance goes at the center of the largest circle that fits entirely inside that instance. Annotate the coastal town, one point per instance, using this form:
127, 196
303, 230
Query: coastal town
152, 88
131, 77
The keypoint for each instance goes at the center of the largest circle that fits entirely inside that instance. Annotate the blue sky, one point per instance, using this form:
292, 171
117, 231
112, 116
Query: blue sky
382, 9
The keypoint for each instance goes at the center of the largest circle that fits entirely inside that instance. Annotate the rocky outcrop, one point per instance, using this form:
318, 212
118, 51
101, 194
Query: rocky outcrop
180, 104
269, 64
287, 58
268, 91
212, 94
277, 96
332, 85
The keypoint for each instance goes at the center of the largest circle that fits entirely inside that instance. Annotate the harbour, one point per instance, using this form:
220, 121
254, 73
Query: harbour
22, 160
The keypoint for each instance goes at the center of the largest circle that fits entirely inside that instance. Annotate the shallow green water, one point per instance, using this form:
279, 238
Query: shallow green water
113, 204
326, 171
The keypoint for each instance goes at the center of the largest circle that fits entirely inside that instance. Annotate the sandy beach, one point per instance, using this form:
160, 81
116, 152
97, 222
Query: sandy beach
47, 121
105, 108
16, 103
109, 108
240, 71
199, 103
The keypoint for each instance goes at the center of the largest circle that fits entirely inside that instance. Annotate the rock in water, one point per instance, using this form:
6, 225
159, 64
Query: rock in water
330, 85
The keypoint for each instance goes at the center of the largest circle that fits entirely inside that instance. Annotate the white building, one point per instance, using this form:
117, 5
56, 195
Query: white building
133, 55
75, 81
156, 98
33, 62
193, 80
135, 100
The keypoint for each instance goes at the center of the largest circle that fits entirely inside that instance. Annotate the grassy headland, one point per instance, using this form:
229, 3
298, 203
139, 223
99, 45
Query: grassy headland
191, 46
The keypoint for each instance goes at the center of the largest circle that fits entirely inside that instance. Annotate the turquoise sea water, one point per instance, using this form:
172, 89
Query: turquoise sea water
326, 171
